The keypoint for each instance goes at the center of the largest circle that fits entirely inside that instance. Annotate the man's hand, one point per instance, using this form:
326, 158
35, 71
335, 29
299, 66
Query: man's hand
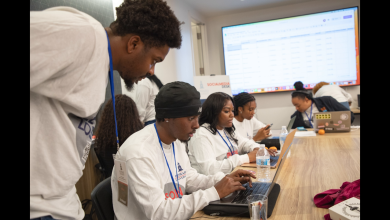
252, 155
262, 134
227, 185
242, 176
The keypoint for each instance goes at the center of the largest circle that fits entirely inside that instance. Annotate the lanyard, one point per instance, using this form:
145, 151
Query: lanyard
311, 109
232, 149
110, 75
177, 176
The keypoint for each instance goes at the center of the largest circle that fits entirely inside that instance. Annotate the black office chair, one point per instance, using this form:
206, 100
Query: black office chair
102, 200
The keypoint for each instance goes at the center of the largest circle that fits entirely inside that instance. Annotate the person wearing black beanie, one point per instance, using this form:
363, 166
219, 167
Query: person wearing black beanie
152, 176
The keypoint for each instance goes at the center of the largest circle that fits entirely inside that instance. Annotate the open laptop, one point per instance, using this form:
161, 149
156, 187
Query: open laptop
290, 124
274, 140
332, 122
235, 204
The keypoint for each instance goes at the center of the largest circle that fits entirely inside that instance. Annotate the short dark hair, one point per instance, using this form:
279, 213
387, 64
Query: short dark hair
302, 94
211, 108
152, 20
299, 85
241, 99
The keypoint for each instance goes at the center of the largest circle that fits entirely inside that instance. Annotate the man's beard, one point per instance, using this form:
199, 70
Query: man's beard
129, 84
185, 141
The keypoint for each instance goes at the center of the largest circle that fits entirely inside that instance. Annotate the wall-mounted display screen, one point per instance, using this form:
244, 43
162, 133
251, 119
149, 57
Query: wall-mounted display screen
269, 56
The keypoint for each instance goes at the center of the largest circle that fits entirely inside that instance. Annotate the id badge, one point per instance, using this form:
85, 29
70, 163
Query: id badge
121, 173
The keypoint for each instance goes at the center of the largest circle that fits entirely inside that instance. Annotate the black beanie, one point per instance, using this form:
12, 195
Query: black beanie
177, 100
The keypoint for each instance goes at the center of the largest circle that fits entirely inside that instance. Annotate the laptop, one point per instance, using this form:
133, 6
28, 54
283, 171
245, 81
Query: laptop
236, 204
274, 140
290, 124
332, 122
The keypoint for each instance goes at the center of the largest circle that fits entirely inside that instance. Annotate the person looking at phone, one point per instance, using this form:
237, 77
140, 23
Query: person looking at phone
162, 183
244, 122
306, 106
216, 147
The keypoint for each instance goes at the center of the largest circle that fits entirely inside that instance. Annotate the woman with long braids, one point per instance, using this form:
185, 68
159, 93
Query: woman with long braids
215, 147
244, 122
128, 123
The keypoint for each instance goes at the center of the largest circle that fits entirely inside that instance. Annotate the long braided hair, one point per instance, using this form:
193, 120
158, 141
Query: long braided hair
241, 99
128, 123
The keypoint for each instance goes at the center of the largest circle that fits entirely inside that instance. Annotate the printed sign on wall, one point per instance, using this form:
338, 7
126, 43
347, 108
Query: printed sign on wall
207, 85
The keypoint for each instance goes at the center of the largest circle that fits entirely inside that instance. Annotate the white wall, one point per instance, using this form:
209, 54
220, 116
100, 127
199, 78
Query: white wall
178, 64
273, 108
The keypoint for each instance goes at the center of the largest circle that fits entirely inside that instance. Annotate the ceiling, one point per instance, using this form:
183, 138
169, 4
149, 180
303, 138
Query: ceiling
211, 8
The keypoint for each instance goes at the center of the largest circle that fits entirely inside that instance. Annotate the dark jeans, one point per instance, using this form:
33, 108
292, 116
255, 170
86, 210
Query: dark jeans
345, 104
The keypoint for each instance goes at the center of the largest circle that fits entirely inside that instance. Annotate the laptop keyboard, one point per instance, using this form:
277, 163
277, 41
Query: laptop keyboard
257, 188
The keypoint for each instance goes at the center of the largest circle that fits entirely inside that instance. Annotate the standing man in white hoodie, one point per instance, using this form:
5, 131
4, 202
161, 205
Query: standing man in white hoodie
69, 65
152, 176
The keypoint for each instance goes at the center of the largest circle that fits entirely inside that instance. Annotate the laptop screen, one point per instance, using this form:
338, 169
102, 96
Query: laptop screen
290, 124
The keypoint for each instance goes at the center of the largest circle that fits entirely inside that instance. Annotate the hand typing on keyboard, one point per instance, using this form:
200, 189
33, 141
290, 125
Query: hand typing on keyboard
242, 176
233, 182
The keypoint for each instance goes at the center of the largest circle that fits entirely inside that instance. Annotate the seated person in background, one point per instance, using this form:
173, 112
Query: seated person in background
128, 123
146, 92
324, 89
244, 122
215, 147
306, 106
156, 165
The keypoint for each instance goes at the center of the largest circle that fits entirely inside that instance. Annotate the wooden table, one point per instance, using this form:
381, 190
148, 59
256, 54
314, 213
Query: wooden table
355, 110
313, 165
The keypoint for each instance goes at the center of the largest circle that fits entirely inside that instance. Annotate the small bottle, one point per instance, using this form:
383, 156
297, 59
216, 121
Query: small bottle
282, 137
263, 164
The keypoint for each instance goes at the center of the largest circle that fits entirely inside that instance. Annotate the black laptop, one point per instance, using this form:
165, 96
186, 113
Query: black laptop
236, 204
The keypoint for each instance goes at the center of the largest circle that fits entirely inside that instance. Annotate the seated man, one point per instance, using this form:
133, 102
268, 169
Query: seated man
152, 176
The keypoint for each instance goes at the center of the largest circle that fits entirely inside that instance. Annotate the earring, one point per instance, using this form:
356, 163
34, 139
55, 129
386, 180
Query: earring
241, 112
166, 121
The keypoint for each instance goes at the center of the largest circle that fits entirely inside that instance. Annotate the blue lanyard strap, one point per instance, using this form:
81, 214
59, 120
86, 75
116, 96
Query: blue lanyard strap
177, 176
110, 75
311, 109
230, 149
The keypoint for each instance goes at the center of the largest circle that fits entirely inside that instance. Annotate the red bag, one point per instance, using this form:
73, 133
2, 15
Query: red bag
334, 196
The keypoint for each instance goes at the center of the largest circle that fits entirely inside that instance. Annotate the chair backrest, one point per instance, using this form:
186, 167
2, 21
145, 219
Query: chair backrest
102, 200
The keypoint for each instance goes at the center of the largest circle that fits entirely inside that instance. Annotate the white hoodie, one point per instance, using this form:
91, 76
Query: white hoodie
209, 154
69, 66
151, 194
248, 128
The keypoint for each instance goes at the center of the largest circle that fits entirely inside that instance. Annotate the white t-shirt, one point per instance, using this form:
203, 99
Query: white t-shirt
335, 91
307, 113
145, 94
209, 154
69, 66
248, 128
151, 194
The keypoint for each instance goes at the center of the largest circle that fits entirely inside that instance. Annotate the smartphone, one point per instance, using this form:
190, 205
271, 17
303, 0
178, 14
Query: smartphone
301, 129
268, 126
